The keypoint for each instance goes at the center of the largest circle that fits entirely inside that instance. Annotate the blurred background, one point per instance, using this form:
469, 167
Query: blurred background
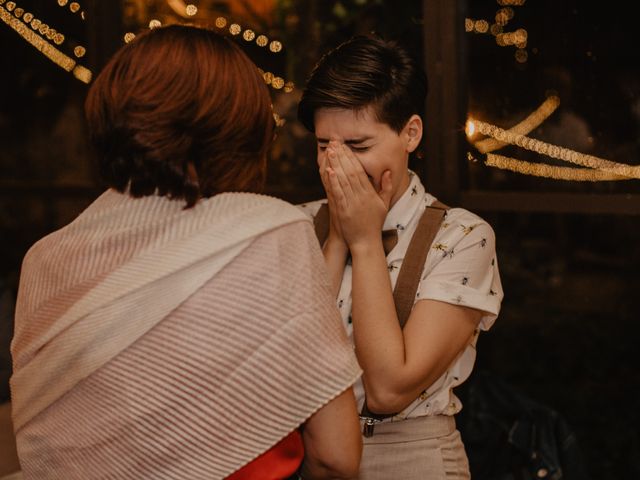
555, 394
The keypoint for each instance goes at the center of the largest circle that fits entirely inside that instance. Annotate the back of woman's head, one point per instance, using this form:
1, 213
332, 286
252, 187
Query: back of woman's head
182, 112
366, 71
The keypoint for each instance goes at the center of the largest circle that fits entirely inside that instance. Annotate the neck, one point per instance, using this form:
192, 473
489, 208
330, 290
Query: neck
402, 187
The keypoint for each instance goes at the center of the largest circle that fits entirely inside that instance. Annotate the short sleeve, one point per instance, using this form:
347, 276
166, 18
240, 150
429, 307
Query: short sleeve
311, 208
462, 269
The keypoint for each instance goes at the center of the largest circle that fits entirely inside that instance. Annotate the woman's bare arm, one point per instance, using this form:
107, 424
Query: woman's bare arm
332, 440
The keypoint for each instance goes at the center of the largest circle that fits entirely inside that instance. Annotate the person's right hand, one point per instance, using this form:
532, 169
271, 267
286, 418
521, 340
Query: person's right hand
360, 209
335, 232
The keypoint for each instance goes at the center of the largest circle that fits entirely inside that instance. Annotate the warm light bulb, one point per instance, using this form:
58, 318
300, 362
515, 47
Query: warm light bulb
470, 128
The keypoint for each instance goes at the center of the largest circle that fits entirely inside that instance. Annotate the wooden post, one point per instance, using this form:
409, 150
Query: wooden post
446, 109
104, 32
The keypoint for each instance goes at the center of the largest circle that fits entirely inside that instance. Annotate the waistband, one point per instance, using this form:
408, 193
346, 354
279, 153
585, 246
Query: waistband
411, 429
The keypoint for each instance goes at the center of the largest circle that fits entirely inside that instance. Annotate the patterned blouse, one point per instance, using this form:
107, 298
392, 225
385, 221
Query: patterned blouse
461, 268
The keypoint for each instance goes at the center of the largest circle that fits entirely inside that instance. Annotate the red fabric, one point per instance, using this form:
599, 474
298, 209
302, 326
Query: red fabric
277, 463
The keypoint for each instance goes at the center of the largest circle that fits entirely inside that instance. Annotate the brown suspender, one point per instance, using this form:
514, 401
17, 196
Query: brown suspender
408, 277
413, 263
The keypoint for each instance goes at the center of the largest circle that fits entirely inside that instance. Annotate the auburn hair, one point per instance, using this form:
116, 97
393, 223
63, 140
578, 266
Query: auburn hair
181, 111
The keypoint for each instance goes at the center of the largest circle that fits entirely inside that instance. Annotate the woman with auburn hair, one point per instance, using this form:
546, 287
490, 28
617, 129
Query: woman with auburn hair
182, 326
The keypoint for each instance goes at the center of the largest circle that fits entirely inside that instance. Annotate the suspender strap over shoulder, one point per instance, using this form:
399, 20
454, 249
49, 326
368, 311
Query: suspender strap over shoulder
413, 263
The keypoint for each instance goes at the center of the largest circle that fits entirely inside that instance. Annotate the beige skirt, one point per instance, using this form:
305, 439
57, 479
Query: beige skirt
424, 448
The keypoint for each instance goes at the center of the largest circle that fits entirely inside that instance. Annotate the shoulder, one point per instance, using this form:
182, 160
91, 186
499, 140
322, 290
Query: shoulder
311, 208
249, 212
296, 238
461, 225
255, 201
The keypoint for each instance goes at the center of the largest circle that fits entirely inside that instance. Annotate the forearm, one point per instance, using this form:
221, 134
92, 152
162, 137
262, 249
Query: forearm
312, 470
379, 340
335, 256
398, 363
332, 441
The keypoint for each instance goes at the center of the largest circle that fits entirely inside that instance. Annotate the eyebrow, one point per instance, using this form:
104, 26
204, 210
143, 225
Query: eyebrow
351, 141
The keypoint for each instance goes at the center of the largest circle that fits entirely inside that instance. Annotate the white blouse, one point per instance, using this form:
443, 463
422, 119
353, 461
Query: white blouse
461, 268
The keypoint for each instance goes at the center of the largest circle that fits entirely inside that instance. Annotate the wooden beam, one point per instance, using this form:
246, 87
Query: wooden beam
105, 33
613, 204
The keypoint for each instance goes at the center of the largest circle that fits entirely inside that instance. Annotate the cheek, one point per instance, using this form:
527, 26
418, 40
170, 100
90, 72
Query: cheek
372, 165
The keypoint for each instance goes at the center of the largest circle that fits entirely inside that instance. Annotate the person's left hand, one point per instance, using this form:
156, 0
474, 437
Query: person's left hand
361, 210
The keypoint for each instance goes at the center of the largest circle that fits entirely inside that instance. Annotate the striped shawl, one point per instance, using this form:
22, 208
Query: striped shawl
157, 342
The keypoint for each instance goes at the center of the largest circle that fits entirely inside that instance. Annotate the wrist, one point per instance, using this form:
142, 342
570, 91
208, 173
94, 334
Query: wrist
366, 247
336, 245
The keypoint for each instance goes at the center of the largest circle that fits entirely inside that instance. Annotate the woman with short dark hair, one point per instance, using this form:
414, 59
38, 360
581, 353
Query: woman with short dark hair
182, 326
415, 280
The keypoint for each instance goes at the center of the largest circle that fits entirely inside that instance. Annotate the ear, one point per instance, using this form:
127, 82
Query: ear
413, 132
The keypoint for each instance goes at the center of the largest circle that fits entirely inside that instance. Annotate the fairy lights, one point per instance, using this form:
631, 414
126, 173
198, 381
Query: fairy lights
551, 171
591, 168
42, 28
275, 46
248, 35
609, 170
42, 36
515, 3
39, 34
532, 121
501, 19
262, 40
74, 7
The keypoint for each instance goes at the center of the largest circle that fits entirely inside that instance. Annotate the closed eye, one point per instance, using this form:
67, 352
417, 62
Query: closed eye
323, 146
358, 149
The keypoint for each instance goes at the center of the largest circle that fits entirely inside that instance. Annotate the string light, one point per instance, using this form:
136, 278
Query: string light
45, 30
557, 152
32, 30
248, 35
592, 168
74, 7
35, 23
551, 171
262, 40
532, 121
515, 3
275, 46
502, 17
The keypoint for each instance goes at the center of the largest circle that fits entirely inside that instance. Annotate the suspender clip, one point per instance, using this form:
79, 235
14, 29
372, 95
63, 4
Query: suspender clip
369, 425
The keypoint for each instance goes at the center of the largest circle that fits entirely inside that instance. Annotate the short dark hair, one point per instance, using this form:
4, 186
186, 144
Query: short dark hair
183, 112
366, 71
